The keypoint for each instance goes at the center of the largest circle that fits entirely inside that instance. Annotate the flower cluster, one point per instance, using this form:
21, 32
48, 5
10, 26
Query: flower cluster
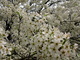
4, 48
50, 43
32, 30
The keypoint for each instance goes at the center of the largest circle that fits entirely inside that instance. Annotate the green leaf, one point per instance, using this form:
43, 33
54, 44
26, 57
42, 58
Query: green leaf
18, 13
1, 18
64, 41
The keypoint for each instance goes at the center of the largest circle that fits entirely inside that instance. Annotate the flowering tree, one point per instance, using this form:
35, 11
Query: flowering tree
39, 29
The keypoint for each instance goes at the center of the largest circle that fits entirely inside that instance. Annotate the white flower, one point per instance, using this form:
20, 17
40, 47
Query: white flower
2, 42
1, 30
67, 35
75, 46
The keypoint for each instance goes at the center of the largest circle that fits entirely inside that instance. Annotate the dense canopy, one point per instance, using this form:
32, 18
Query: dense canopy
39, 30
